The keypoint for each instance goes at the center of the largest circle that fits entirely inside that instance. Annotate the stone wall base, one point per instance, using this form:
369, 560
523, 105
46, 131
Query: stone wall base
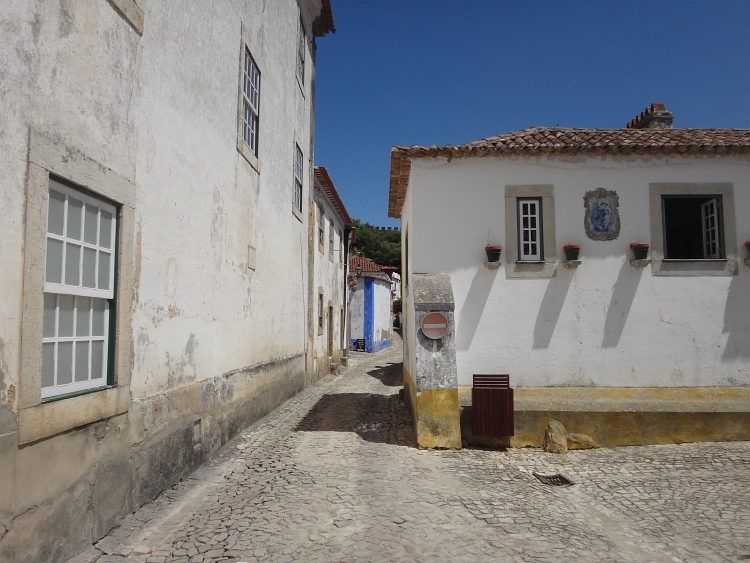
61, 494
620, 416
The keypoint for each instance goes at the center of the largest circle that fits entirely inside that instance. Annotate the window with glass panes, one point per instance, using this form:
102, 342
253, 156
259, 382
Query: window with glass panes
250, 102
78, 291
529, 229
321, 227
298, 166
331, 231
301, 53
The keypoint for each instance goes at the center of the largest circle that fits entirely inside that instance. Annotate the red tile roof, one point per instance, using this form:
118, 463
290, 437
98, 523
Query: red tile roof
366, 264
330, 190
548, 141
328, 16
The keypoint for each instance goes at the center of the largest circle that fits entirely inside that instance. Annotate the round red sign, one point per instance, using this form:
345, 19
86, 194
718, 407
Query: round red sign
434, 325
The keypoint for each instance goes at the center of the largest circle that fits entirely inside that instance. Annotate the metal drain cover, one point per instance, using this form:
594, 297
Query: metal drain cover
555, 480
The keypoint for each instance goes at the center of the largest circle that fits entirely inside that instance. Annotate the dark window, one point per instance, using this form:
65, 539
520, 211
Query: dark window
693, 227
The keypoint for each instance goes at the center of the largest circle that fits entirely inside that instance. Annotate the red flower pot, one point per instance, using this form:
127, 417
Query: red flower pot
493, 252
640, 250
572, 251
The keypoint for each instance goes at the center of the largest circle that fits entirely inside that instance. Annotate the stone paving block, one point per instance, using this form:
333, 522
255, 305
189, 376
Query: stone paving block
335, 475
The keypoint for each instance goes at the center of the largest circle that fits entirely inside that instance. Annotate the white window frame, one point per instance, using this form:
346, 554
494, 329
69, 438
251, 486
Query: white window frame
37, 418
341, 246
530, 232
52, 340
301, 55
710, 220
331, 236
299, 167
250, 102
64, 288
321, 229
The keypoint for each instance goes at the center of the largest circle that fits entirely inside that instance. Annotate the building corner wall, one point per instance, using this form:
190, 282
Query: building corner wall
434, 399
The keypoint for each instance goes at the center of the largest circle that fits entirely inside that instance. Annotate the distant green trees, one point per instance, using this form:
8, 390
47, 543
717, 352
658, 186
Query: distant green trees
382, 247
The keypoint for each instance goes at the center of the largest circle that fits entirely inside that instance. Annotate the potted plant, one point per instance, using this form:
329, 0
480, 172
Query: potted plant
493, 252
640, 250
572, 251
747, 245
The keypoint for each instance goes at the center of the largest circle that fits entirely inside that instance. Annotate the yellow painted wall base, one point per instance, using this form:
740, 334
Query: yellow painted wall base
435, 415
634, 428
622, 416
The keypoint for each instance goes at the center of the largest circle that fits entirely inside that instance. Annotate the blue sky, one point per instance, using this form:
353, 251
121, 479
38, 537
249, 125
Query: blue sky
402, 72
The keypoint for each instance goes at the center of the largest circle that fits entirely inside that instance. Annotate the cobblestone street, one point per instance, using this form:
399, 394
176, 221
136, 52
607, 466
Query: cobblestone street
334, 475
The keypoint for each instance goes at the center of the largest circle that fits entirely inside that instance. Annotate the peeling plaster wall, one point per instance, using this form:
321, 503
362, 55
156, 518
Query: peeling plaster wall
215, 342
605, 323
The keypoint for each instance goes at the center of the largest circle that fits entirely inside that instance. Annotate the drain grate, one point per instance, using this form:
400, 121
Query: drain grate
555, 480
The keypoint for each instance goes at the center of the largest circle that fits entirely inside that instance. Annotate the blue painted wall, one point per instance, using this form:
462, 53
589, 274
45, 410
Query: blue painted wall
370, 315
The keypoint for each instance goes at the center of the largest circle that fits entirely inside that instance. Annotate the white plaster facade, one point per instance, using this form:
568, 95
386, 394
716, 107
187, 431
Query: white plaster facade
604, 323
332, 226
370, 312
141, 105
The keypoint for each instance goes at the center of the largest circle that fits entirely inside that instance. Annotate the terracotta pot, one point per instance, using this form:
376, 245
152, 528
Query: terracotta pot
572, 251
640, 250
493, 252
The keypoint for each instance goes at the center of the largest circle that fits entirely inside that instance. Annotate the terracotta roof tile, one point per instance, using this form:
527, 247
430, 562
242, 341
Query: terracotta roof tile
321, 173
557, 141
366, 264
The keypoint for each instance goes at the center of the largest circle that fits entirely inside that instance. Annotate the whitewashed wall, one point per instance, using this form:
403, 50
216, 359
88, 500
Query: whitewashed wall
357, 311
329, 274
160, 110
603, 324
383, 319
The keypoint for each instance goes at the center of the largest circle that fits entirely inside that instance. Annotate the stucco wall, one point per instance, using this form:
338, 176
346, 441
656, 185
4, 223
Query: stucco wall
219, 335
357, 310
605, 323
407, 270
383, 322
329, 275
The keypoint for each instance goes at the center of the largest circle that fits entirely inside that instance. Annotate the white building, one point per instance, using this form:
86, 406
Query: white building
369, 306
604, 333
333, 226
157, 179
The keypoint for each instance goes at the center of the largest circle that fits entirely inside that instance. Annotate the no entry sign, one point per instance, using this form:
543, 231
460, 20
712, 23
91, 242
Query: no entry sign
434, 326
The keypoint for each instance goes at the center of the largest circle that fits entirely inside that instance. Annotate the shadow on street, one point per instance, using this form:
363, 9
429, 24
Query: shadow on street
375, 418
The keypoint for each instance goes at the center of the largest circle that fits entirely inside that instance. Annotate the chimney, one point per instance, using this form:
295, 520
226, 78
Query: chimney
654, 117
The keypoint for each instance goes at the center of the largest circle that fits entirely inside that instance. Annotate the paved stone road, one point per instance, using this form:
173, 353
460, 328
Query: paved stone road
334, 475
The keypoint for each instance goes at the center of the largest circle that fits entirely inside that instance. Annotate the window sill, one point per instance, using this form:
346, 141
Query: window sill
694, 260
297, 213
50, 418
695, 267
251, 159
77, 394
521, 269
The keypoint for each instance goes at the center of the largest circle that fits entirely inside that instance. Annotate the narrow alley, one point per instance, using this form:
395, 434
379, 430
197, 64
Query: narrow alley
334, 475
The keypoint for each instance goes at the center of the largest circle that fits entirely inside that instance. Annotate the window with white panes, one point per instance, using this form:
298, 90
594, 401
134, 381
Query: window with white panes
321, 227
298, 170
331, 231
530, 230
250, 102
78, 291
301, 53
